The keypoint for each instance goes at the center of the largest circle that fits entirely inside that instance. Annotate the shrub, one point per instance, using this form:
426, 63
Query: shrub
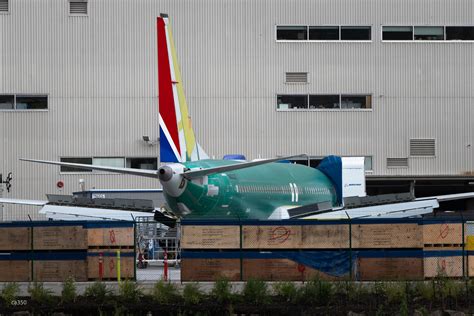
129, 291
256, 292
221, 291
395, 292
39, 294
192, 295
69, 292
317, 292
287, 291
10, 292
98, 292
165, 293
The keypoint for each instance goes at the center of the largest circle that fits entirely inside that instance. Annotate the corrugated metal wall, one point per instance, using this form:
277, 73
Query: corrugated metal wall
100, 73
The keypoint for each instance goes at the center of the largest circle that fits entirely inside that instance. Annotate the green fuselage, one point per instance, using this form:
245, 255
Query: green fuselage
254, 192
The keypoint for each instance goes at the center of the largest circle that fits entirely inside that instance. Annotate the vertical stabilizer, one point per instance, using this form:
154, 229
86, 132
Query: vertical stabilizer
177, 140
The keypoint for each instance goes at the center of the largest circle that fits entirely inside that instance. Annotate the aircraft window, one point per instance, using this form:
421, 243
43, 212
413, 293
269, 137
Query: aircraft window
86, 161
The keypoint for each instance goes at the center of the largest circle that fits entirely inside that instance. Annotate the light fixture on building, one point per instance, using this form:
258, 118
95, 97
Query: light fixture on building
150, 142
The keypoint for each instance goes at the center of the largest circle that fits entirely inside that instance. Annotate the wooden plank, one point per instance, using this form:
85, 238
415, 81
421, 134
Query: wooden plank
15, 271
443, 266
272, 237
111, 236
210, 237
324, 236
127, 269
209, 269
387, 236
59, 238
282, 270
444, 233
375, 269
59, 270
470, 266
15, 238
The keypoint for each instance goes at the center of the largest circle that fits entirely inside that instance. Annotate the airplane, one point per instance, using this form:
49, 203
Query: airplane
195, 186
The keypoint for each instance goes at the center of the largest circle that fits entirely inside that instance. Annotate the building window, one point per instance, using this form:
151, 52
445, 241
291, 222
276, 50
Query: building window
397, 33
292, 33
117, 162
77, 7
4, 6
356, 102
142, 163
355, 33
323, 33
23, 102
429, 33
323, 101
7, 102
292, 102
368, 163
85, 160
460, 33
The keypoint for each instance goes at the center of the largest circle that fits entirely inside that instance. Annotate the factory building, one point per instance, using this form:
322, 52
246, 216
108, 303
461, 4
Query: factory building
389, 80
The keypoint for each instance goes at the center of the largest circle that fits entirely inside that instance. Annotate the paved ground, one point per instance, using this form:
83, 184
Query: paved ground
155, 273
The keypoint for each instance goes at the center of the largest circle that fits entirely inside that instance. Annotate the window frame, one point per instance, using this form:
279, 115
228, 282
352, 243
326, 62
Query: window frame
325, 41
326, 109
15, 95
413, 40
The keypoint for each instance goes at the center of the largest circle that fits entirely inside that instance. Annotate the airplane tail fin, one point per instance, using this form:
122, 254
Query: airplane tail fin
177, 138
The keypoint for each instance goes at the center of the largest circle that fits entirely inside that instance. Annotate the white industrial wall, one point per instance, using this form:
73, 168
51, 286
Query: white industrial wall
100, 73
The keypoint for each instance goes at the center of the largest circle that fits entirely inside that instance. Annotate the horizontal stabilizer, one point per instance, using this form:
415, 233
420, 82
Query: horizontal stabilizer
135, 172
193, 174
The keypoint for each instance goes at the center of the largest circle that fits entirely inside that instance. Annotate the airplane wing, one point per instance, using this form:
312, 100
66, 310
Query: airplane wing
23, 202
449, 197
136, 172
61, 212
193, 174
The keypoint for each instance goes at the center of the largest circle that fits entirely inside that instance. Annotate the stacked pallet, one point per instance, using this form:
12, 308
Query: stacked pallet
55, 251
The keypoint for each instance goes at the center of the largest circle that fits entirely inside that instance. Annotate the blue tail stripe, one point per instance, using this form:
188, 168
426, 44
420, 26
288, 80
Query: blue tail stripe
166, 153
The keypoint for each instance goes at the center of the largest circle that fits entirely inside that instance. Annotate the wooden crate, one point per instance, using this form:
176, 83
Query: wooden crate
324, 236
15, 270
272, 237
282, 270
59, 270
127, 262
470, 266
449, 266
387, 236
209, 269
375, 269
210, 237
442, 234
59, 238
109, 237
15, 238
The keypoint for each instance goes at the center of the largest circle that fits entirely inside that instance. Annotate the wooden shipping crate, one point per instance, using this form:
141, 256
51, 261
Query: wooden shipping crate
15, 238
282, 270
200, 269
59, 270
443, 233
470, 266
15, 270
272, 237
375, 269
447, 266
59, 238
387, 236
210, 237
110, 236
325, 236
109, 264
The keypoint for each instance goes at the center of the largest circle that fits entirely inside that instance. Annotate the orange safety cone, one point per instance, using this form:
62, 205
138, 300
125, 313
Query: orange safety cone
165, 266
101, 266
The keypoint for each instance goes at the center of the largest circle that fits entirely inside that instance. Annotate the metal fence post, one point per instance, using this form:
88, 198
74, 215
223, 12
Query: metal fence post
241, 254
464, 257
135, 249
350, 246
